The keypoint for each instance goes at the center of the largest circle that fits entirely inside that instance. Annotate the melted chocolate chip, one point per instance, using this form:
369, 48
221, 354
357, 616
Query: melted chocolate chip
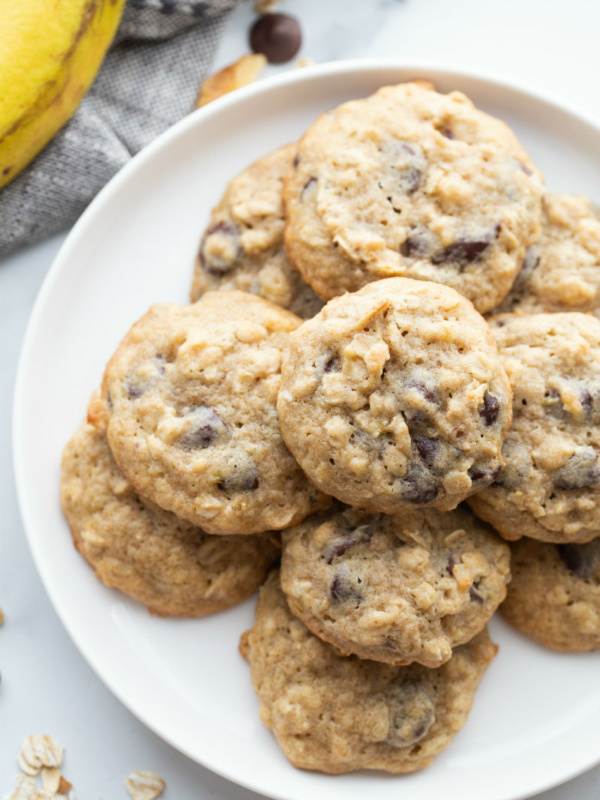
447, 133
245, 480
465, 251
475, 596
419, 486
581, 471
582, 560
450, 565
412, 713
220, 264
349, 539
342, 588
204, 430
296, 161
586, 398
332, 364
409, 180
489, 409
133, 391
276, 36
427, 448
480, 474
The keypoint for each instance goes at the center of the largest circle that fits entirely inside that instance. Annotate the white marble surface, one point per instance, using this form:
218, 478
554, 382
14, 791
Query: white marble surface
46, 685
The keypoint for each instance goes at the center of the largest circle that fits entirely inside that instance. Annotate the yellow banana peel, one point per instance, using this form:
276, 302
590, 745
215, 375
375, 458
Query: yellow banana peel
50, 52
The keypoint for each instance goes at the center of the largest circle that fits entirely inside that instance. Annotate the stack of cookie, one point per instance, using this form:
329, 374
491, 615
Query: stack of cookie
335, 379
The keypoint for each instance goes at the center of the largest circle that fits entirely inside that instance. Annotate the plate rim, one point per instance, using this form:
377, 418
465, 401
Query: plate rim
78, 231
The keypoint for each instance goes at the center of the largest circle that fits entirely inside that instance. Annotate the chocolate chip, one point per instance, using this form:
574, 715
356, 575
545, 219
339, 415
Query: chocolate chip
489, 409
342, 588
581, 559
414, 246
296, 161
480, 474
465, 251
427, 448
475, 596
133, 392
220, 263
450, 565
409, 180
240, 480
412, 713
276, 36
447, 133
349, 539
581, 471
525, 168
309, 182
332, 364
419, 486
204, 429
586, 398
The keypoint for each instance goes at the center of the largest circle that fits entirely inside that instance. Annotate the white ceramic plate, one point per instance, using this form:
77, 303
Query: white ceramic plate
536, 720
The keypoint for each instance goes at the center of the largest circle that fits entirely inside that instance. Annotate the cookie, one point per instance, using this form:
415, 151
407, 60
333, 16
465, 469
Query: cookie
412, 183
398, 589
555, 594
191, 393
561, 271
242, 247
549, 488
149, 554
394, 397
336, 714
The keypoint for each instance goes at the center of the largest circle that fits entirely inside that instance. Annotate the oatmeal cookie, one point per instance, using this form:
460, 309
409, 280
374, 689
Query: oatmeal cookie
412, 183
397, 589
149, 554
549, 488
242, 247
555, 594
191, 394
336, 714
394, 397
561, 271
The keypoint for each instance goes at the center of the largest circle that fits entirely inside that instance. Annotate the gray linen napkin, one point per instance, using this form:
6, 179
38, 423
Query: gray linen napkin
149, 80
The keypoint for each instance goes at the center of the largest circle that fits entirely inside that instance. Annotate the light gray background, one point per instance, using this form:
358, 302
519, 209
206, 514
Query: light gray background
46, 685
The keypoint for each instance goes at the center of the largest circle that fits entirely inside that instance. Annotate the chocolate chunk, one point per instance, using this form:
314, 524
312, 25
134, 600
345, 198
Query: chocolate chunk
276, 36
427, 448
412, 713
420, 243
419, 486
489, 409
465, 251
481, 474
586, 398
220, 262
581, 471
349, 539
133, 391
205, 428
342, 588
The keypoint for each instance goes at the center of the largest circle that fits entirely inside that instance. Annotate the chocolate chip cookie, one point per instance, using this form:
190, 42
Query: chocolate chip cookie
402, 588
561, 271
549, 488
394, 397
149, 554
191, 394
336, 714
555, 594
242, 247
413, 183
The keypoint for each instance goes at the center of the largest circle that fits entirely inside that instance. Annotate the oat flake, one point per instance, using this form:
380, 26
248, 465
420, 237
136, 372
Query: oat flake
144, 785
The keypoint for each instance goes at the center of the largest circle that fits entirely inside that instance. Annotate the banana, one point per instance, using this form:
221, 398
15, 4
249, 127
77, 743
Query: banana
50, 52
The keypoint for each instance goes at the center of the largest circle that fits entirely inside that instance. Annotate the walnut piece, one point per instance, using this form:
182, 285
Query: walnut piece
244, 71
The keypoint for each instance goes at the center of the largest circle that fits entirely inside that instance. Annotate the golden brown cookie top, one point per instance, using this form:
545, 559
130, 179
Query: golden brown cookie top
413, 183
394, 397
191, 394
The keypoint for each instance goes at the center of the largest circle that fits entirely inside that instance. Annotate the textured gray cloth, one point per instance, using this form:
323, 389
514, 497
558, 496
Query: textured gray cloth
148, 81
